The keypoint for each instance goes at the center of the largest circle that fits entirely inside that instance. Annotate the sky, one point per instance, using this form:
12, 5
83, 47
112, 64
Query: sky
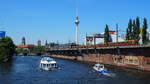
53, 20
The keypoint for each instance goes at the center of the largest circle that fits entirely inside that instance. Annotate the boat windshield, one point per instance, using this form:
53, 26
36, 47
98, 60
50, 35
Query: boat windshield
47, 59
99, 66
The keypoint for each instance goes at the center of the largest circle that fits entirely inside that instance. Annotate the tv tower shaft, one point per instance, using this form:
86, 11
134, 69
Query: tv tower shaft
77, 23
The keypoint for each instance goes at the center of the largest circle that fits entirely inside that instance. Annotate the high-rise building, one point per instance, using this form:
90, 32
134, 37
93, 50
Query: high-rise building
39, 43
46, 44
23, 41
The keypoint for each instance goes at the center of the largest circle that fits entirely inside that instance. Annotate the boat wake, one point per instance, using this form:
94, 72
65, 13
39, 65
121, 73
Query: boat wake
101, 70
110, 74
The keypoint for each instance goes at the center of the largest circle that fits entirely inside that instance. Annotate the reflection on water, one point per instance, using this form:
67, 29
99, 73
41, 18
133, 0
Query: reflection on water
5, 67
5, 71
25, 70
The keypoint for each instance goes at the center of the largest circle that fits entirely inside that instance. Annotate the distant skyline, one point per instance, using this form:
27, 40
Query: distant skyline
53, 20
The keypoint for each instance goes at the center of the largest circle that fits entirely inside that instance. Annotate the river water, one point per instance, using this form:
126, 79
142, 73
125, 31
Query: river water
25, 70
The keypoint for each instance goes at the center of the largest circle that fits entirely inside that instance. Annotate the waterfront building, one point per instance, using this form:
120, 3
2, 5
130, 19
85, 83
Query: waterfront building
29, 46
66, 46
25, 49
60, 46
99, 38
52, 45
114, 37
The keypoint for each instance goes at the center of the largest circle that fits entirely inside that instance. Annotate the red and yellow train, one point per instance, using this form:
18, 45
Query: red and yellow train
109, 44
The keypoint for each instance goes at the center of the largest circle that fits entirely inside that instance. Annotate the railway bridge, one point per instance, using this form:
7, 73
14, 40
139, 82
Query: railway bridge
137, 56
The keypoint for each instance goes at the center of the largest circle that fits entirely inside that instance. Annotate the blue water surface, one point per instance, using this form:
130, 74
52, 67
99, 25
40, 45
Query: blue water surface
25, 70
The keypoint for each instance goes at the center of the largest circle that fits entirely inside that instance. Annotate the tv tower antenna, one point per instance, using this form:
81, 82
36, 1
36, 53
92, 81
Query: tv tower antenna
77, 22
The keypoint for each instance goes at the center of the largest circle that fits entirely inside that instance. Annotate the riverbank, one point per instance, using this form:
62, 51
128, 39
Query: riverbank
104, 59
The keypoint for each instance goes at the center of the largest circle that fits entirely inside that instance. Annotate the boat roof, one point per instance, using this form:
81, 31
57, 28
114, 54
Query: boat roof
99, 65
47, 60
46, 57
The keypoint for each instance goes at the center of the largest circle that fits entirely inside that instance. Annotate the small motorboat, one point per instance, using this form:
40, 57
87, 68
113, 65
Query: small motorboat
47, 63
100, 69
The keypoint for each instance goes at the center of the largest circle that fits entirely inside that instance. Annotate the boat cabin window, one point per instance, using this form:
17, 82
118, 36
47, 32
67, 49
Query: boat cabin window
53, 64
100, 66
44, 65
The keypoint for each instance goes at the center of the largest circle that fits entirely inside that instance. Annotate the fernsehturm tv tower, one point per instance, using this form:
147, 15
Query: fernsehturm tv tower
77, 23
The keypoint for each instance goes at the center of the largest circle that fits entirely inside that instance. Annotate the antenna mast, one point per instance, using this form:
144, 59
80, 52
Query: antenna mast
117, 32
77, 21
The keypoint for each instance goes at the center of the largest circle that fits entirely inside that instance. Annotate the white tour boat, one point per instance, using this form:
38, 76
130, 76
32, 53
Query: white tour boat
47, 63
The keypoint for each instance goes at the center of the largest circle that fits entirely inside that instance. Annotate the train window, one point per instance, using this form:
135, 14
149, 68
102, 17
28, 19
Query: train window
115, 59
148, 61
126, 60
136, 61
130, 60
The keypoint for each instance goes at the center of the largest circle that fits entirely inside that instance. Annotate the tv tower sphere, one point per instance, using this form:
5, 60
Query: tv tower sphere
77, 20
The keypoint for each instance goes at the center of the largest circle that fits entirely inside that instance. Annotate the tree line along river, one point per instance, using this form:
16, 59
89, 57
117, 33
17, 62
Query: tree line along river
25, 70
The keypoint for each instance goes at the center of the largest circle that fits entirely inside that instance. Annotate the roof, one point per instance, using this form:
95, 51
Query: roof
112, 32
25, 46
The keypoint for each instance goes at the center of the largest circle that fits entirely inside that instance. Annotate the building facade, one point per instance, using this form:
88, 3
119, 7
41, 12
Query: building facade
99, 38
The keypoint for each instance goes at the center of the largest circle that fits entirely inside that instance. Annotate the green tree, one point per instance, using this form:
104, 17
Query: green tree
107, 37
19, 50
137, 22
22, 50
127, 34
129, 30
145, 38
38, 49
7, 48
136, 30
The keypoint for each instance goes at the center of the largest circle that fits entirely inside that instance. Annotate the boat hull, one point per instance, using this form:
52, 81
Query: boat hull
104, 72
47, 69
100, 69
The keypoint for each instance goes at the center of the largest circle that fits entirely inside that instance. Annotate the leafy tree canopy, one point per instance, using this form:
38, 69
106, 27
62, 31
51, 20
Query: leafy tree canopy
7, 48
